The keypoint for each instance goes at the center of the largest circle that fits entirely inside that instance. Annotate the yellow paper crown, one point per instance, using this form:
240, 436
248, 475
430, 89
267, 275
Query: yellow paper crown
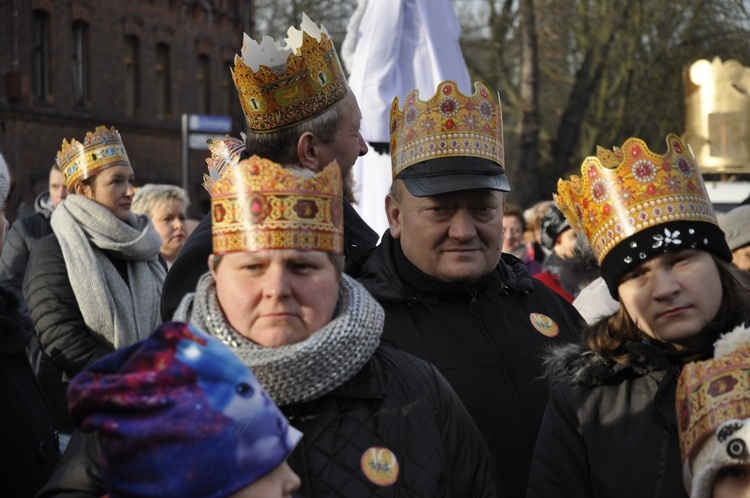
259, 204
225, 155
630, 189
710, 393
448, 124
100, 150
280, 87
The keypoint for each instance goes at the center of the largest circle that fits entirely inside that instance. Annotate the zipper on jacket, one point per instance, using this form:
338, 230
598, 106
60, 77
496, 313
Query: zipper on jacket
473, 303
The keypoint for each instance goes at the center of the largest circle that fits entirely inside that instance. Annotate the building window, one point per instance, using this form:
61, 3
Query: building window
80, 62
40, 55
132, 75
204, 84
163, 83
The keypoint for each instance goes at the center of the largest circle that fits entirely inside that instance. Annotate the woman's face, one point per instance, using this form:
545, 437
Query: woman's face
673, 296
169, 220
279, 483
276, 297
113, 189
512, 234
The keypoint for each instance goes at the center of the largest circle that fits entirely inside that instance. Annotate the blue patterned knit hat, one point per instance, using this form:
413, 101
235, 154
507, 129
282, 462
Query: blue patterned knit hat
179, 415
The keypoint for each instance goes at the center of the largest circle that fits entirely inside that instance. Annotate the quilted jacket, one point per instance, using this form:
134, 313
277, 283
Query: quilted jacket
396, 406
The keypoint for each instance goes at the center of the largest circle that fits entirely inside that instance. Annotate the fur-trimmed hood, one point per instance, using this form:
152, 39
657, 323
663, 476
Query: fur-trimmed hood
576, 364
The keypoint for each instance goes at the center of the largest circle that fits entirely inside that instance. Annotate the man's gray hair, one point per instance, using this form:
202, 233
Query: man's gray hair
281, 146
153, 194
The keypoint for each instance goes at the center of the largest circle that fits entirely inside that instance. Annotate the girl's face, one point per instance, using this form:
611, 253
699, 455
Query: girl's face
281, 482
673, 296
732, 482
113, 189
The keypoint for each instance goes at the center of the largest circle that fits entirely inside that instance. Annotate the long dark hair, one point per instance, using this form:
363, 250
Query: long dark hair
610, 335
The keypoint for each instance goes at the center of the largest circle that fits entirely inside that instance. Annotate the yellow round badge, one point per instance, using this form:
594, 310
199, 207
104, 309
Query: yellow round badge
544, 324
380, 466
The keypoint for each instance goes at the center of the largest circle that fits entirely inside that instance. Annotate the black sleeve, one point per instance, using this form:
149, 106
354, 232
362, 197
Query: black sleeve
59, 325
13, 262
560, 464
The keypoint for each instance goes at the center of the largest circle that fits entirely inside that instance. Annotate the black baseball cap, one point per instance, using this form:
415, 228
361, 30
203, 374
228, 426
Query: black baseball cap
451, 174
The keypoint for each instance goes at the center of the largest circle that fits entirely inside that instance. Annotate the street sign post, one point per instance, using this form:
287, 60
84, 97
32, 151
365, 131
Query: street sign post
196, 129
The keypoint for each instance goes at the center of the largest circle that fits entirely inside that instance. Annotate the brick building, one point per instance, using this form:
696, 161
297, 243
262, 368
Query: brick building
68, 66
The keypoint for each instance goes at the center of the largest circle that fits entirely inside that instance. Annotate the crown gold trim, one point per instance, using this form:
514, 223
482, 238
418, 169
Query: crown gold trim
630, 189
710, 393
101, 149
450, 123
280, 87
259, 204
225, 154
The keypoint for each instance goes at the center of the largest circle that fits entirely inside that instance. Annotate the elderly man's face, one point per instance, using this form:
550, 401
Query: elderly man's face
348, 143
454, 237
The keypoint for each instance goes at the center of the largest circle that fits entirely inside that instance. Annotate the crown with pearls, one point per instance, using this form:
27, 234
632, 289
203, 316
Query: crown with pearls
633, 204
259, 204
280, 87
450, 123
101, 149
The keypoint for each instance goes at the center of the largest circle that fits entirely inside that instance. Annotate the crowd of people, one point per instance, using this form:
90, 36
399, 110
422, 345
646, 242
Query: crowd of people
594, 345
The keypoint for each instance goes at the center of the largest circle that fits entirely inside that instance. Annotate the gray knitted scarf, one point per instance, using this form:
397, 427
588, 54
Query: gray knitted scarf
122, 313
307, 370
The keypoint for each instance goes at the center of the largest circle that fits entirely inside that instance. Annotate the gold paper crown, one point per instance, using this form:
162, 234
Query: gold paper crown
259, 204
100, 150
710, 393
448, 124
630, 189
225, 155
280, 87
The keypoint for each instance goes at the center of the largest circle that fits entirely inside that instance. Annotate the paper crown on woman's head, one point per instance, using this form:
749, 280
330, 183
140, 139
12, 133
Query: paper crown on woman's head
633, 204
178, 414
713, 412
101, 149
259, 204
449, 123
280, 87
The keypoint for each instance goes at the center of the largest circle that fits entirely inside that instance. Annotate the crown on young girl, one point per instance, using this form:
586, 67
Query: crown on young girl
101, 149
633, 204
259, 204
448, 124
225, 154
280, 87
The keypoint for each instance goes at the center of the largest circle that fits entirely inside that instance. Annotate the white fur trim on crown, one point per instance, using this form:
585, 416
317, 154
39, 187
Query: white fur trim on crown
730, 445
730, 341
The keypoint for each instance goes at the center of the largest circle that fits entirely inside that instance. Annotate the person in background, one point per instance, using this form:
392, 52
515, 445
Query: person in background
581, 277
451, 297
713, 411
94, 284
533, 235
514, 228
610, 429
29, 449
24, 233
165, 205
177, 415
310, 131
560, 240
736, 226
